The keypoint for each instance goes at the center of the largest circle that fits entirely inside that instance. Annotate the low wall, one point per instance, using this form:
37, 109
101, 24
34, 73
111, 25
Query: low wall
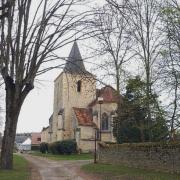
156, 156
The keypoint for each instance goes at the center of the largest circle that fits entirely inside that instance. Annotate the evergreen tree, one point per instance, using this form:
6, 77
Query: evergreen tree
131, 124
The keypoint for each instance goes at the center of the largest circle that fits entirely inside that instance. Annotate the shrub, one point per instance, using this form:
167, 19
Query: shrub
68, 147
43, 147
35, 147
63, 147
52, 148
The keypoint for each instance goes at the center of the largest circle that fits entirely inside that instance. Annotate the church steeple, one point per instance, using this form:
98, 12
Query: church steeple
75, 63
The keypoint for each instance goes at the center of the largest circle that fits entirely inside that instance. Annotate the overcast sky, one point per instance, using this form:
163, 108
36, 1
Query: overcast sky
38, 105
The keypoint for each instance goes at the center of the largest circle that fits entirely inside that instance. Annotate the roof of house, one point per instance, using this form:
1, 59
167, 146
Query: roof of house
74, 64
27, 142
35, 138
21, 137
45, 128
84, 116
109, 95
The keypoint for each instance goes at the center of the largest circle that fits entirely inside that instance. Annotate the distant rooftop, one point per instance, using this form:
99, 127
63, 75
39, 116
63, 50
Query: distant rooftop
21, 137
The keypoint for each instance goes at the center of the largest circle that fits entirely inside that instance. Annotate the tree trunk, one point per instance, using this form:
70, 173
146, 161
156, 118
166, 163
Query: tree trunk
8, 141
12, 113
148, 101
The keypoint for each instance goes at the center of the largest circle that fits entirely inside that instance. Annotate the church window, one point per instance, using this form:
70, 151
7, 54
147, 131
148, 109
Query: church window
79, 86
105, 121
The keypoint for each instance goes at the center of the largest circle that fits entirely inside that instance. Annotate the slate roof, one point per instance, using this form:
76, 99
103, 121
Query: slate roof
84, 116
21, 137
74, 64
109, 95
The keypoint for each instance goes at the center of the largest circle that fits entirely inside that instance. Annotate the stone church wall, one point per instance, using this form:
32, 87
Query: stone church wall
86, 145
72, 98
66, 97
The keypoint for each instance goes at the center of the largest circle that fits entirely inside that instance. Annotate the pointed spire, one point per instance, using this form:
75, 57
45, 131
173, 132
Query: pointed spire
75, 63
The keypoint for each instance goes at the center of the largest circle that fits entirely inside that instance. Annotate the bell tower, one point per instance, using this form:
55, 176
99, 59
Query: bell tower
74, 87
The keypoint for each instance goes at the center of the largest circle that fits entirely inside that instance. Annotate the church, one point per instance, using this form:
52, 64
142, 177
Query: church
80, 108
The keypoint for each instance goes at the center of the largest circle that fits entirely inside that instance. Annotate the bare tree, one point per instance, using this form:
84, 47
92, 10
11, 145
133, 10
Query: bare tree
143, 17
30, 36
4, 8
113, 41
170, 65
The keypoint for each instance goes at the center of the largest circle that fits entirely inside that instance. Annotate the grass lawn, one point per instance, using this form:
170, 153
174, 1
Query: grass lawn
64, 157
20, 171
113, 172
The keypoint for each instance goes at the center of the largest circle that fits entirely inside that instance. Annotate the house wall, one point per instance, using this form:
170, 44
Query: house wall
45, 135
84, 137
87, 132
86, 145
87, 137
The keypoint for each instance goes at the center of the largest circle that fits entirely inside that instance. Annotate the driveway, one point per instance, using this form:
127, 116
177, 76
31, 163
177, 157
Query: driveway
58, 170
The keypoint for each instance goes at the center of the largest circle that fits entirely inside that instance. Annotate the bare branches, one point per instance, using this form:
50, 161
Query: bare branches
30, 36
27, 42
170, 66
112, 40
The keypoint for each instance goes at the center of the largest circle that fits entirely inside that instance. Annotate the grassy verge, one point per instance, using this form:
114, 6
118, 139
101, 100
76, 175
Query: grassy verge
64, 157
108, 172
20, 171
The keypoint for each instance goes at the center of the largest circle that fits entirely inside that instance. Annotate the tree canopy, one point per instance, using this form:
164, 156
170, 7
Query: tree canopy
131, 124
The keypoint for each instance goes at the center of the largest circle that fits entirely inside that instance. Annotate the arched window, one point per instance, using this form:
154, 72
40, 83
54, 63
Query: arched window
105, 121
79, 86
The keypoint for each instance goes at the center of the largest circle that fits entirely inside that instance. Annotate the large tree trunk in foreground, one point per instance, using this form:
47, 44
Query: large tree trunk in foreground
12, 113
14, 100
8, 140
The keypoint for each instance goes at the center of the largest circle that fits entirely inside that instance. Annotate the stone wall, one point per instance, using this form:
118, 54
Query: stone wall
142, 155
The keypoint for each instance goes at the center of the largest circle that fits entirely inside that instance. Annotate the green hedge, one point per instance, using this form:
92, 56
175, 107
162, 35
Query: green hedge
63, 147
35, 147
43, 147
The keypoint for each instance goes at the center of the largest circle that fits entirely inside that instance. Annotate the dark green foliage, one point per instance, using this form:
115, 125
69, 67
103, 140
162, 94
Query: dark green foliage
131, 124
53, 148
43, 147
68, 147
63, 147
35, 147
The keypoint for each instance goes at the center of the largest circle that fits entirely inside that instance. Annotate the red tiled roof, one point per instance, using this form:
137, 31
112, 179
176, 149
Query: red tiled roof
109, 95
84, 116
35, 138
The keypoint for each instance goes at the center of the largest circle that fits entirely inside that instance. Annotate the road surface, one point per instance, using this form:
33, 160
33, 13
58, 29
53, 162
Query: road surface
45, 169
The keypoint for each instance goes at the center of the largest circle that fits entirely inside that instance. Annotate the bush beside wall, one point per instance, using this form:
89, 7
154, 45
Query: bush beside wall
159, 156
43, 147
35, 147
63, 147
